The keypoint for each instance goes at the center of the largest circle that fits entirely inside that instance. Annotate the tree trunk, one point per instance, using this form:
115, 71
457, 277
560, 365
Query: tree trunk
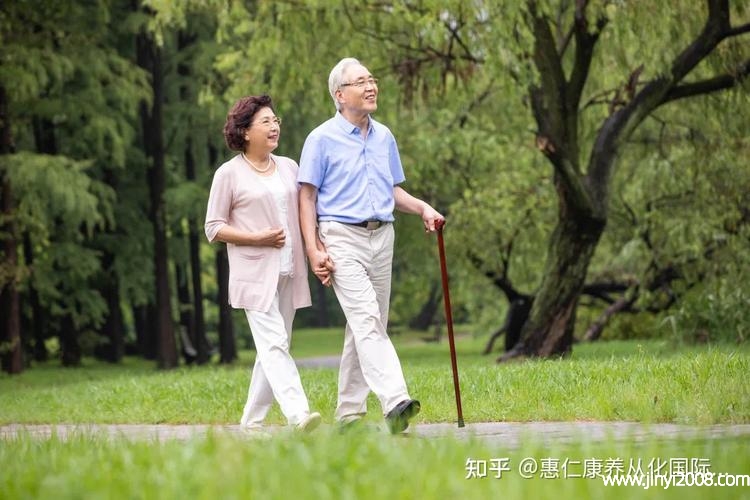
187, 321
322, 317
114, 325
227, 343
45, 142
44, 136
37, 322
518, 312
10, 337
11, 358
426, 315
113, 328
200, 340
549, 329
198, 336
70, 349
199, 332
150, 58
145, 334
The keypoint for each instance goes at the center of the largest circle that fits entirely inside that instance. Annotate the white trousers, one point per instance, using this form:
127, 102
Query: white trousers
362, 283
275, 374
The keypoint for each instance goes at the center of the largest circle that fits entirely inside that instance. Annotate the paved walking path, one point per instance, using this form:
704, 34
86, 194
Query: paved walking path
505, 434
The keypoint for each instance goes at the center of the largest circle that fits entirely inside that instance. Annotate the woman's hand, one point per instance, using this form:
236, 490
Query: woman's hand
269, 238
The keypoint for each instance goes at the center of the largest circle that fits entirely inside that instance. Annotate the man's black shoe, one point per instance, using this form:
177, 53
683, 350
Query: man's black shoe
398, 418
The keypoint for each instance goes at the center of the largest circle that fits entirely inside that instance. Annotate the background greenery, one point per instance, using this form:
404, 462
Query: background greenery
454, 77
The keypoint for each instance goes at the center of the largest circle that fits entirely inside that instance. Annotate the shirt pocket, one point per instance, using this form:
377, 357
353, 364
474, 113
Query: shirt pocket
249, 267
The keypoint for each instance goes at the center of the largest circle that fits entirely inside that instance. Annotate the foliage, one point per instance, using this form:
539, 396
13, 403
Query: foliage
57, 190
717, 311
62, 206
71, 96
675, 211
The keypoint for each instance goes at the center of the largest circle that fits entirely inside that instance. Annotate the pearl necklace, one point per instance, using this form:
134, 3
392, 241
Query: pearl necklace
259, 170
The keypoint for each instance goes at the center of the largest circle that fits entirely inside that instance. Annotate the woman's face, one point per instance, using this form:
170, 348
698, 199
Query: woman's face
264, 131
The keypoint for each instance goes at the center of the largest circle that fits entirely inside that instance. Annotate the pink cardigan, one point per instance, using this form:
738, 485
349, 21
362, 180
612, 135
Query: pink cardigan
238, 199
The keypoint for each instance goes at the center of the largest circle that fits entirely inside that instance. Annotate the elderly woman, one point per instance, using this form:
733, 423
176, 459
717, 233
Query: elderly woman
253, 208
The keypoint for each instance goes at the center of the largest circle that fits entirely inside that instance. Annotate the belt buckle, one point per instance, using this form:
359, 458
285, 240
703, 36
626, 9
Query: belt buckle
373, 224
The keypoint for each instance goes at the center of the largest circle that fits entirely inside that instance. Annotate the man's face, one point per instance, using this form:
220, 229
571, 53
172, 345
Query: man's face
359, 91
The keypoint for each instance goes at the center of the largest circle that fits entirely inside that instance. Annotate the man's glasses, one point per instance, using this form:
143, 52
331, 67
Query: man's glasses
266, 122
373, 82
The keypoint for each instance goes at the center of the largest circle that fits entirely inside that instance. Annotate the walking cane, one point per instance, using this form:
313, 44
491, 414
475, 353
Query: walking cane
449, 319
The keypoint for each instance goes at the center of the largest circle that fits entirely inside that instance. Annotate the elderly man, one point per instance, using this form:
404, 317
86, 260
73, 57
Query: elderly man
349, 176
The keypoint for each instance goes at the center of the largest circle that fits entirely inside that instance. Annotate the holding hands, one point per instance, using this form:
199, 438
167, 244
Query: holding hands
321, 265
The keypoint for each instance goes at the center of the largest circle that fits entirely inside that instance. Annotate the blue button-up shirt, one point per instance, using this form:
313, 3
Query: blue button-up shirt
354, 176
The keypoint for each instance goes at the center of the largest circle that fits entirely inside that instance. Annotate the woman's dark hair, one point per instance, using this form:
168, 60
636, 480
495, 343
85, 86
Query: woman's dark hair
240, 117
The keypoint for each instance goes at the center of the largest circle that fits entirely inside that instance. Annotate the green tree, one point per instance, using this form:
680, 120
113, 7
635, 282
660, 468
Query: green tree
583, 178
74, 100
149, 55
10, 329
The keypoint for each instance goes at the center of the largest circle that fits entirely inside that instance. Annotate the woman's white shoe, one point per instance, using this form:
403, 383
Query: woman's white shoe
310, 422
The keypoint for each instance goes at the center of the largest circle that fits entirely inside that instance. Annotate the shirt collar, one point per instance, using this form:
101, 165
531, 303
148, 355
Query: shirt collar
348, 127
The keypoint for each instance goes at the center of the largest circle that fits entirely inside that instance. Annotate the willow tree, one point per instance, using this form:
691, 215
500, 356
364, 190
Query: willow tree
562, 54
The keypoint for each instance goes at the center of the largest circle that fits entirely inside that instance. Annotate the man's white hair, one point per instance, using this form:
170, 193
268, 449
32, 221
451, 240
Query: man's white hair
336, 78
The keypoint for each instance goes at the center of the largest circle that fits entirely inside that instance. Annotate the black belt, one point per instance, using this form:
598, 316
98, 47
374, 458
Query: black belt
369, 224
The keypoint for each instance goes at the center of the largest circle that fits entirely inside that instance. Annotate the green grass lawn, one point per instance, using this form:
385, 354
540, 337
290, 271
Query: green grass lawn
609, 381
327, 465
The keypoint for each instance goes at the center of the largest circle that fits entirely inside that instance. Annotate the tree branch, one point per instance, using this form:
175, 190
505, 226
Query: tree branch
721, 82
585, 43
552, 114
500, 280
549, 97
595, 330
601, 290
715, 30
738, 30
618, 127
574, 189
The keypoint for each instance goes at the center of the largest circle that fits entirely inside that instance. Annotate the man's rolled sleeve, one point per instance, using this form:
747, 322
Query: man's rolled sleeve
394, 162
310, 163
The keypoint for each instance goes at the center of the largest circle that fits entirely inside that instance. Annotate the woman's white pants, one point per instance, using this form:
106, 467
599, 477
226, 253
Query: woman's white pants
275, 374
